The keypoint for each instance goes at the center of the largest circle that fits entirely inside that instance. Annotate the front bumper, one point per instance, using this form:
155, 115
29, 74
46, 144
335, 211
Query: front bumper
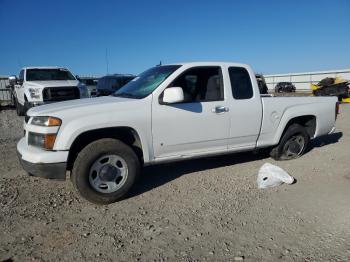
44, 170
41, 163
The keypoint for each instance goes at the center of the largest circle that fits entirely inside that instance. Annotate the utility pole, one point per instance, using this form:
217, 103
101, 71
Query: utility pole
106, 55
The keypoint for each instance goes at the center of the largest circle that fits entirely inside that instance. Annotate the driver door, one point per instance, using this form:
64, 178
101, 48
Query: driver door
199, 124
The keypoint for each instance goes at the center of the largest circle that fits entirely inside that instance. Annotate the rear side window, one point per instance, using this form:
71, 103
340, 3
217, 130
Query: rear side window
240, 83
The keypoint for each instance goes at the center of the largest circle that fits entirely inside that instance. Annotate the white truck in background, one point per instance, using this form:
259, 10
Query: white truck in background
41, 85
167, 113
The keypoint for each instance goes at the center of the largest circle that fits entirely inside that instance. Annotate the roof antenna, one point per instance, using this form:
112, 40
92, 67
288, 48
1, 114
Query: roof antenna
160, 63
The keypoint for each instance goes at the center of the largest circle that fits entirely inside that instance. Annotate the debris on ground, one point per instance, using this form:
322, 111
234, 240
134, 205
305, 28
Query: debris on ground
271, 176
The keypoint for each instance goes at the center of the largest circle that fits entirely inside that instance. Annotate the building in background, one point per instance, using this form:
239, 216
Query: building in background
302, 81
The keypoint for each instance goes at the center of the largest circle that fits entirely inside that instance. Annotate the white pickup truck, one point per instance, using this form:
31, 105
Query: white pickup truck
41, 85
167, 113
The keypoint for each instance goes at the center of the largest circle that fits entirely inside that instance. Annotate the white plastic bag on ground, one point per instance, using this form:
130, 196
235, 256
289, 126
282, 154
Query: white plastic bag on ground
271, 176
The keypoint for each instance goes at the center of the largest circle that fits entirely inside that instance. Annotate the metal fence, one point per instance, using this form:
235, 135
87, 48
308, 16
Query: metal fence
5, 91
302, 81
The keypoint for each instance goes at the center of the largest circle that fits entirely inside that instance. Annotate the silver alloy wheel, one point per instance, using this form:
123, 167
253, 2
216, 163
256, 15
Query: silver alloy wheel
108, 174
294, 146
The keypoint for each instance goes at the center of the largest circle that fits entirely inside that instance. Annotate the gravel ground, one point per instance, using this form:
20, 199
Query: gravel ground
208, 209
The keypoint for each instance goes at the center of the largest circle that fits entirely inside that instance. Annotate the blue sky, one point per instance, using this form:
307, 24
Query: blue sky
271, 36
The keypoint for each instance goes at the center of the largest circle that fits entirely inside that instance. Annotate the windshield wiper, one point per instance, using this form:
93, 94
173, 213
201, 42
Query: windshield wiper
126, 95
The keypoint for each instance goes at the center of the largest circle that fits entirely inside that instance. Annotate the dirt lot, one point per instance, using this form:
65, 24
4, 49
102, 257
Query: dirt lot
208, 209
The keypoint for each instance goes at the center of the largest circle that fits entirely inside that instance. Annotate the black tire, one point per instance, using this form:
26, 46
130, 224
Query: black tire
293, 143
19, 109
81, 173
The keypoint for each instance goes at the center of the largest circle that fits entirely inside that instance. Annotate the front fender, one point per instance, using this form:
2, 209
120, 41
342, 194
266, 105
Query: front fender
69, 132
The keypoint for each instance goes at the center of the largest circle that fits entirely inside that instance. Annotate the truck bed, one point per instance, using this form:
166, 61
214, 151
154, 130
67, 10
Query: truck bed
278, 110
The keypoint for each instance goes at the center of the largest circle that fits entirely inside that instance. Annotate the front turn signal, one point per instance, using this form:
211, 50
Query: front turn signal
49, 141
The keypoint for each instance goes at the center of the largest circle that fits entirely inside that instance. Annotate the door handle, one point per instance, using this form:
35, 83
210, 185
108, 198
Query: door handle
220, 109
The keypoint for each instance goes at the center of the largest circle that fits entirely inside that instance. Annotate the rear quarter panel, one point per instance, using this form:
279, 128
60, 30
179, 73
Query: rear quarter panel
278, 111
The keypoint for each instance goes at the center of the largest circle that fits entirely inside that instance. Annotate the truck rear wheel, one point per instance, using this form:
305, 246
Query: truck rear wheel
105, 170
292, 144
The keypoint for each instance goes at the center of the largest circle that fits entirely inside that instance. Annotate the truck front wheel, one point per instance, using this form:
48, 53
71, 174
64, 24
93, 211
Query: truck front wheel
105, 170
292, 144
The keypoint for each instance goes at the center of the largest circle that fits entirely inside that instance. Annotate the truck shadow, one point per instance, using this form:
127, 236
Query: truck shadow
158, 175
7, 107
325, 140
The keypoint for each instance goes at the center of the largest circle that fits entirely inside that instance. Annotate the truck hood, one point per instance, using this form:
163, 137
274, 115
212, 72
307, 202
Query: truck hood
78, 107
54, 83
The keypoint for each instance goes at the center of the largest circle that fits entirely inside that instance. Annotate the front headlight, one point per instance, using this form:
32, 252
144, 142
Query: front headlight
45, 141
34, 93
46, 121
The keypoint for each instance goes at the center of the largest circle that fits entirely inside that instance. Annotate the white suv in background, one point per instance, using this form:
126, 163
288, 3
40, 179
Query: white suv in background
41, 85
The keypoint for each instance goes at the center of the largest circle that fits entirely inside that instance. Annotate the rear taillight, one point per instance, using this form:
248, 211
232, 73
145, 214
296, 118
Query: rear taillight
336, 109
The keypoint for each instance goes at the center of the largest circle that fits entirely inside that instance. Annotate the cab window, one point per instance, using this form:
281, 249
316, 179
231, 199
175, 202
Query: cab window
201, 84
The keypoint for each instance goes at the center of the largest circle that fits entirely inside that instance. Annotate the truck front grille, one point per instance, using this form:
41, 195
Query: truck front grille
60, 93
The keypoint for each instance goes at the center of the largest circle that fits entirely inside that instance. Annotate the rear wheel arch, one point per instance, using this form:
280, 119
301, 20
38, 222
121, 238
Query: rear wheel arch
307, 121
127, 135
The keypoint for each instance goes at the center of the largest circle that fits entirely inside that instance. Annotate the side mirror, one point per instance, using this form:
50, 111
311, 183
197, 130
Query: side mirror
173, 95
12, 80
78, 78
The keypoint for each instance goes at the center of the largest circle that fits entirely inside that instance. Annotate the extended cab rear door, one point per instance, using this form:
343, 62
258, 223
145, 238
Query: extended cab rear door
245, 108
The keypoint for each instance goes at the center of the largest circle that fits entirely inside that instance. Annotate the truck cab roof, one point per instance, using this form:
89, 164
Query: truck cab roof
43, 67
209, 63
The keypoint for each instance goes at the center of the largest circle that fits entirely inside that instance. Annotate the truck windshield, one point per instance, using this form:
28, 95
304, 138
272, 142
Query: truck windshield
146, 82
39, 74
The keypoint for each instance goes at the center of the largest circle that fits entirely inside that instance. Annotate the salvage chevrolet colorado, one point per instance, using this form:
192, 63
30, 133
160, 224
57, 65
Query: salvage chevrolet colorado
167, 113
